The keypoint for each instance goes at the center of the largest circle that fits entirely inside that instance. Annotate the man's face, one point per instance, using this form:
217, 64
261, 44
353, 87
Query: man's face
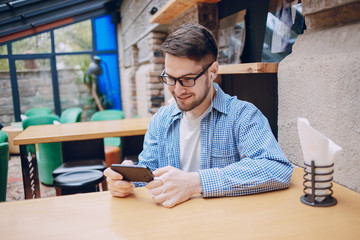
187, 98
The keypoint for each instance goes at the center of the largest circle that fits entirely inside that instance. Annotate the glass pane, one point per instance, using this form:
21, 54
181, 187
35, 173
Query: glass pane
74, 38
35, 84
4, 65
40, 43
3, 50
109, 81
74, 86
6, 102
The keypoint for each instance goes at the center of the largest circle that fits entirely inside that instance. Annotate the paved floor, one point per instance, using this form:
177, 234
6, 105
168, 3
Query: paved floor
15, 189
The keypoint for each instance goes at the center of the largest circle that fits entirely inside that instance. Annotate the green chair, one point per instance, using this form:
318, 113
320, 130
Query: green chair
49, 155
71, 115
38, 111
111, 114
4, 164
3, 137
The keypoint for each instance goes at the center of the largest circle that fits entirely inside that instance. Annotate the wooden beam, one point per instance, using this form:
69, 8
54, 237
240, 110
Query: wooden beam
246, 68
36, 29
174, 8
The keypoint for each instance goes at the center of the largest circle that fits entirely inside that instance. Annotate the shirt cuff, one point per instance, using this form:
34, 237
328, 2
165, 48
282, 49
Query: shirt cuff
211, 183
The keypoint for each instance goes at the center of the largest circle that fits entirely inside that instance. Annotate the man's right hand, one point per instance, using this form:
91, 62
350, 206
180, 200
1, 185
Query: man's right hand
117, 186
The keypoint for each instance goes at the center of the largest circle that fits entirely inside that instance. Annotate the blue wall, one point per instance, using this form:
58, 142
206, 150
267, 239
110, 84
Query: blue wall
105, 40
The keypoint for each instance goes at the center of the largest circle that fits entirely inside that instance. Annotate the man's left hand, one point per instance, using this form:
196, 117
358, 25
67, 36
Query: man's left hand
177, 186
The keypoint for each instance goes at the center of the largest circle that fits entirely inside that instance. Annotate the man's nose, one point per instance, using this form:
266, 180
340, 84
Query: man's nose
178, 88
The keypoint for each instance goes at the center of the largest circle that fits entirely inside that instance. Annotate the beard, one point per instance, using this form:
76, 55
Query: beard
191, 104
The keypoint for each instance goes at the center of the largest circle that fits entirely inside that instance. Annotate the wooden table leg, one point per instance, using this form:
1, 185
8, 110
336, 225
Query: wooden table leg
29, 173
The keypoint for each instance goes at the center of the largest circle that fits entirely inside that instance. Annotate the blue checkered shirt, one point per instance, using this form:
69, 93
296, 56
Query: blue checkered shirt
239, 154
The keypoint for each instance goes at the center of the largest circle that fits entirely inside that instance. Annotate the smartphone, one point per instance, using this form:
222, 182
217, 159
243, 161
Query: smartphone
133, 173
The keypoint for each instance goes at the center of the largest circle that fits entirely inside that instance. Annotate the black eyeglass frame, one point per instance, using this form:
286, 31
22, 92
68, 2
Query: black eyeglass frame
185, 78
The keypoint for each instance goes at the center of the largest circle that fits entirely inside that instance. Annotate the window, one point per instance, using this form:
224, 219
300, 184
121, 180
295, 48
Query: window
74, 38
73, 91
3, 50
40, 43
47, 69
6, 101
34, 83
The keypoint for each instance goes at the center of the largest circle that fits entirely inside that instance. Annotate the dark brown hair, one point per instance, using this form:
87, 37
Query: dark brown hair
192, 41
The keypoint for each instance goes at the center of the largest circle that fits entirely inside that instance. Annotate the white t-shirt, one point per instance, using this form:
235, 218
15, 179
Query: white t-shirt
190, 143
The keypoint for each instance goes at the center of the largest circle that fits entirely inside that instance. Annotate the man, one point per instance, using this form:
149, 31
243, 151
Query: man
206, 142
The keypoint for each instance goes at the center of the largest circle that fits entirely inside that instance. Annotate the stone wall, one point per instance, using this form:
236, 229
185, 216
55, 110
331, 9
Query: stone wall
319, 80
35, 90
6, 104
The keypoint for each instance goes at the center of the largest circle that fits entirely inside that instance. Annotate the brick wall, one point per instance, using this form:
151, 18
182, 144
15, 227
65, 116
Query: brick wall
141, 61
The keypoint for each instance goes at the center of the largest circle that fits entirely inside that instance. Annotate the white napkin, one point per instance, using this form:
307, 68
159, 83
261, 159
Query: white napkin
56, 122
315, 146
23, 117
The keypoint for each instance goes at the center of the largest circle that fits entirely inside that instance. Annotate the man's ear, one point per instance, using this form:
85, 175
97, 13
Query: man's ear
214, 71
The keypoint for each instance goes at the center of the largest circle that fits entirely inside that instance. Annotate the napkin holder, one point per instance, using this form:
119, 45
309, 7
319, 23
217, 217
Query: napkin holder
310, 190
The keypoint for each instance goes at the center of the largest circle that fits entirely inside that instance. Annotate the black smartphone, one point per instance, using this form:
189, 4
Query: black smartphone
133, 173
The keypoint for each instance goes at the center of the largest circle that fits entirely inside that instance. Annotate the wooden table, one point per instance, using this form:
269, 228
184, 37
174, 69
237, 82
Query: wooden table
274, 215
69, 132
12, 132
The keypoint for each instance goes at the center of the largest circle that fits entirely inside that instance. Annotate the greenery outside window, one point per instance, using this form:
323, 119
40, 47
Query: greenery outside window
40, 43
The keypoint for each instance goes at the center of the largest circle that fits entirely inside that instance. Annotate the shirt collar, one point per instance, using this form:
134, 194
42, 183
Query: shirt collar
219, 102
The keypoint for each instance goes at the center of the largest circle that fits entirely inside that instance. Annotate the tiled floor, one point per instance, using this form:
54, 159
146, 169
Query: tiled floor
15, 189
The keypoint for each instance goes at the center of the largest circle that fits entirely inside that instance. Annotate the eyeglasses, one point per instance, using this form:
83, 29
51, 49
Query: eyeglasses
184, 81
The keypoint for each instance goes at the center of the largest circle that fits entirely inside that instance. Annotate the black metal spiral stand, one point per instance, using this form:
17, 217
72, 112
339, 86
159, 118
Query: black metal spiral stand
310, 191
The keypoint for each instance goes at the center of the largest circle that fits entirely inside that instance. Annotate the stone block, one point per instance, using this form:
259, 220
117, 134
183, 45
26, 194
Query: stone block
314, 6
153, 92
155, 41
155, 80
156, 67
157, 86
157, 35
330, 13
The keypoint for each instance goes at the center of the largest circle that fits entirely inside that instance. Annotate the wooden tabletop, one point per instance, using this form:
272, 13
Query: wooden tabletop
274, 215
82, 131
246, 68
